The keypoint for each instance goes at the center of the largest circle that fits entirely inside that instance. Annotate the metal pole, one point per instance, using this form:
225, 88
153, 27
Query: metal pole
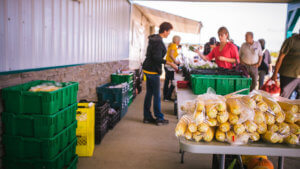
182, 156
222, 161
240, 162
280, 162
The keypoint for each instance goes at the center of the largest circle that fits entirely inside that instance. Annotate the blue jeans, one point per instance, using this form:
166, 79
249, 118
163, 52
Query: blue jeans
152, 89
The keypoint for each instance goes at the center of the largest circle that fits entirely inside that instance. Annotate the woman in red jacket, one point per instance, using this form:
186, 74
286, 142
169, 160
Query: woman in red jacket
226, 53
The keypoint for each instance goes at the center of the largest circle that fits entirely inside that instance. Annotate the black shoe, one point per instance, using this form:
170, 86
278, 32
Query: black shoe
148, 121
160, 122
169, 99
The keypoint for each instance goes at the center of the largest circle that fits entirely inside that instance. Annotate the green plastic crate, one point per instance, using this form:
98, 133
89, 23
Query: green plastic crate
38, 126
73, 164
130, 100
222, 84
119, 78
33, 148
17, 99
66, 158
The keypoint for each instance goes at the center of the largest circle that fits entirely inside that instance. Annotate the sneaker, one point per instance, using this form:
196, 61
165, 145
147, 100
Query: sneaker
169, 100
148, 121
160, 122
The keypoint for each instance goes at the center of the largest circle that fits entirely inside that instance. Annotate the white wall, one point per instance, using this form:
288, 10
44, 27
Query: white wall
46, 33
139, 32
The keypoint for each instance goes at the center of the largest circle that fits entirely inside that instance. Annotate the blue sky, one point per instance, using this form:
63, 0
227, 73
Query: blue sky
265, 20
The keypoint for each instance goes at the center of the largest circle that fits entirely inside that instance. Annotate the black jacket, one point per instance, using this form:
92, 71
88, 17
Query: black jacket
155, 53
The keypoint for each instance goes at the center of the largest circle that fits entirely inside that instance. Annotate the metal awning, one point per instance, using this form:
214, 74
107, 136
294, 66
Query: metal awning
180, 24
265, 1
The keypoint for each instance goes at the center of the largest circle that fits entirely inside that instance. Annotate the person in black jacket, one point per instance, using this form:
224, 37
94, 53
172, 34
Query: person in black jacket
209, 46
152, 68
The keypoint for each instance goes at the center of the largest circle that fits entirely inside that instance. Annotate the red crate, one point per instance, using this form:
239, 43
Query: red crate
182, 84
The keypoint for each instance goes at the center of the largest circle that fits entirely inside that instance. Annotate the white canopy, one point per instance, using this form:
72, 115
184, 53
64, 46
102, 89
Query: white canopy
180, 24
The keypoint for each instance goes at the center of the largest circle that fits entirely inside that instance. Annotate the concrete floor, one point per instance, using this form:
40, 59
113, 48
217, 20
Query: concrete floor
132, 144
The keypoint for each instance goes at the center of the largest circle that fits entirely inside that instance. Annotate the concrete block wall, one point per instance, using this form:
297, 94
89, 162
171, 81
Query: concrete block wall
89, 77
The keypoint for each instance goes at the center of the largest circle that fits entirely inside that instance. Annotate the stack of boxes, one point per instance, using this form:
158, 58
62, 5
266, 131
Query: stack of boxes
116, 95
86, 129
40, 127
101, 121
124, 78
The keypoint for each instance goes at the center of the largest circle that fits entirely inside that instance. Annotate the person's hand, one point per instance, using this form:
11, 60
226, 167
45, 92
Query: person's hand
256, 65
222, 58
197, 51
177, 62
274, 77
201, 47
175, 67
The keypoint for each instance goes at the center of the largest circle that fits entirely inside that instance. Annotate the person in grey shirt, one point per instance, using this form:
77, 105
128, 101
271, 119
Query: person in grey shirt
265, 66
251, 56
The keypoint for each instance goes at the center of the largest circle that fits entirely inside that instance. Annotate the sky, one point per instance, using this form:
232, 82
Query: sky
265, 20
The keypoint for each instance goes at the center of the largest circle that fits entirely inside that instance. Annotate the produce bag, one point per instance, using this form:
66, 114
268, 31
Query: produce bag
271, 87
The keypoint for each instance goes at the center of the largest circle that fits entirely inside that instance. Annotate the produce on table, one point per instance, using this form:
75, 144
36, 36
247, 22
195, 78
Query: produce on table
220, 136
45, 87
295, 129
192, 48
291, 139
288, 107
238, 119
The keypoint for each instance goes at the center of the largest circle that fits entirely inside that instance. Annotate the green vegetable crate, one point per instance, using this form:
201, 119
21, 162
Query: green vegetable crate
65, 159
18, 147
38, 126
18, 99
222, 84
121, 78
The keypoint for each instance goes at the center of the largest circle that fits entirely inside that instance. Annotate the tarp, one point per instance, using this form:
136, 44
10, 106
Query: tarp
180, 24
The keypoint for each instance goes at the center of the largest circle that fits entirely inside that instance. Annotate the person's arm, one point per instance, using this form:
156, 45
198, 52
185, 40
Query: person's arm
260, 56
268, 55
171, 54
173, 65
201, 55
241, 54
285, 48
234, 56
225, 59
277, 66
157, 49
259, 61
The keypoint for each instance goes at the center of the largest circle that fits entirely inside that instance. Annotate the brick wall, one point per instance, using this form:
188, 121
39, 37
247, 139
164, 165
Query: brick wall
89, 77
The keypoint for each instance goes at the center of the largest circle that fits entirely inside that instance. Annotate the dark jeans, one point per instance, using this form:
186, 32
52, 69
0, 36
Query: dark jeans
288, 85
261, 80
152, 89
168, 85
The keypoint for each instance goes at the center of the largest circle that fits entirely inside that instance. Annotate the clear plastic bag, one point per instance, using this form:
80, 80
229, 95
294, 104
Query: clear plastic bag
46, 87
182, 125
238, 108
235, 139
260, 95
188, 106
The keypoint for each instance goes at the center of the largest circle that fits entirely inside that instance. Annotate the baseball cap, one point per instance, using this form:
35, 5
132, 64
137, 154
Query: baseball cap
212, 41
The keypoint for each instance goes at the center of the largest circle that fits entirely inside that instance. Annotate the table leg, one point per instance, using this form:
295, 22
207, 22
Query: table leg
280, 162
240, 161
222, 161
182, 156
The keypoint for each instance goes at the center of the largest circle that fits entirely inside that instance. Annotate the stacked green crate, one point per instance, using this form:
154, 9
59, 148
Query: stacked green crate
222, 84
40, 127
122, 78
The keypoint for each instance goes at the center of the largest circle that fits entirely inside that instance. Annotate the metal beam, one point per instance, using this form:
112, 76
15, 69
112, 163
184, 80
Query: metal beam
257, 1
